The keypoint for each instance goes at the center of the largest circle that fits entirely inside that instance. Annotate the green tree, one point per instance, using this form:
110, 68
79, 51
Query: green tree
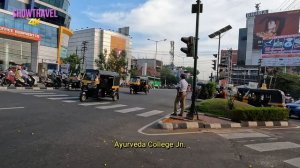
191, 70
288, 84
134, 71
73, 60
117, 62
167, 75
101, 61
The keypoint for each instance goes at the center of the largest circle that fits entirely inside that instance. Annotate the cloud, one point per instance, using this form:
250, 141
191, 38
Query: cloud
159, 19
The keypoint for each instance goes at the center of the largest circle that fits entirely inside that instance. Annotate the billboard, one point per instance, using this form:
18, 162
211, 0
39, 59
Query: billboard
275, 24
282, 51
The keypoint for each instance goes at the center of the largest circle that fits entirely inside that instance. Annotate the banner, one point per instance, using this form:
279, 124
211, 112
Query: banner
282, 46
19, 34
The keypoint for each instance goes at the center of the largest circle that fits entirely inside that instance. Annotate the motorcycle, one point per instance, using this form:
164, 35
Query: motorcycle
7, 80
20, 83
56, 82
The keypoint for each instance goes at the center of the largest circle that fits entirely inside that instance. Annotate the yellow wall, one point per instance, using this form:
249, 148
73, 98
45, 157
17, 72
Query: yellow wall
118, 43
62, 30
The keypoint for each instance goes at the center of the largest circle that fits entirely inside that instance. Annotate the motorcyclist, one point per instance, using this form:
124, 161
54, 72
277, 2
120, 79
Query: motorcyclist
25, 75
18, 76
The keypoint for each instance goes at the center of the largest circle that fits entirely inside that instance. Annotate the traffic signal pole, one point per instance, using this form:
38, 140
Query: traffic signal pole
196, 8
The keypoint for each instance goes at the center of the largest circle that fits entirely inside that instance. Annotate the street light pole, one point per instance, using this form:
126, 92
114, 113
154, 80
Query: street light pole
218, 34
218, 58
156, 41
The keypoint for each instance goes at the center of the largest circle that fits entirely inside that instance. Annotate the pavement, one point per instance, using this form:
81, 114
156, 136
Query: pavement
210, 121
51, 128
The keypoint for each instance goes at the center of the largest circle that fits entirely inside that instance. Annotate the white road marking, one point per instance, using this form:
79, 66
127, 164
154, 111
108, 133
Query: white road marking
272, 146
129, 110
92, 104
63, 98
11, 108
150, 113
239, 135
62, 95
24, 91
295, 162
33, 93
70, 101
110, 107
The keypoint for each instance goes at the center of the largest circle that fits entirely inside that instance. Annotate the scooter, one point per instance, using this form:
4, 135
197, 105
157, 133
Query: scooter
8, 80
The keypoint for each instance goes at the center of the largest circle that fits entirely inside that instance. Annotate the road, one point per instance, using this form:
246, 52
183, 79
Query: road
53, 129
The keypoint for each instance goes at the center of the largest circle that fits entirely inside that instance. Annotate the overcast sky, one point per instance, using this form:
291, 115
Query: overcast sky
171, 20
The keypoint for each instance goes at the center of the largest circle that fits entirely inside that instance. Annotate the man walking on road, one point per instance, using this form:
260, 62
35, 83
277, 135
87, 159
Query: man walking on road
181, 95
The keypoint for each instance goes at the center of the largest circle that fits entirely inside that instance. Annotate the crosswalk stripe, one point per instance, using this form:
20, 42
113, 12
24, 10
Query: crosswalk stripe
33, 93
25, 91
295, 162
129, 110
239, 135
110, 107
57, 95
150, 113
69, 101
63, 98
272, 146
11, 108
93, 103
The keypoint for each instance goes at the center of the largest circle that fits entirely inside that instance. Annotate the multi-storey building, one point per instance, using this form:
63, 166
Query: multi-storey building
99, 41
37, 46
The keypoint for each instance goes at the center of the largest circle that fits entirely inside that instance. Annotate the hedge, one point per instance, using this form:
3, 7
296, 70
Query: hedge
242, 111
219, 107
259, 114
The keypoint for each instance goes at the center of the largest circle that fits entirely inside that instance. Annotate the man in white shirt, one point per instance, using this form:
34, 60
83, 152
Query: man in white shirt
181, 95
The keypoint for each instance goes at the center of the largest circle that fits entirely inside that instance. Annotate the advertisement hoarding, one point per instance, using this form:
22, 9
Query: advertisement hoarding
282, 51
275, 24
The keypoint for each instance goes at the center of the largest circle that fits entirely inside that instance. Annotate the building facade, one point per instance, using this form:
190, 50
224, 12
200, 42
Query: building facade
39, 46
150, 67
99, 41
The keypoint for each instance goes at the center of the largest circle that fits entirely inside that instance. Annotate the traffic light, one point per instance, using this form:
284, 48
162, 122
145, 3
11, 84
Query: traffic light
215, 55
214, 65
190, 49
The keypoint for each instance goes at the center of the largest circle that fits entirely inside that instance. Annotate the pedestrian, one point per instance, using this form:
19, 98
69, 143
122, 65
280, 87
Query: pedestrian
180, 96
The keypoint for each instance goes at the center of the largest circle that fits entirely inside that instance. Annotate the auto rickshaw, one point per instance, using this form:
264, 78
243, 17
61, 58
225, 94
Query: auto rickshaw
261, 97
99, 84
74, 81
139, 84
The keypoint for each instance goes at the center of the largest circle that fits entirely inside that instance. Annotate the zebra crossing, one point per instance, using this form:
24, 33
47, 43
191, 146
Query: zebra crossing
272, 145
118, 108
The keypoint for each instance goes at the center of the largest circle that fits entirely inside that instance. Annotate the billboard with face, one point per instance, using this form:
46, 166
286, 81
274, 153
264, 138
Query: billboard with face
275, 24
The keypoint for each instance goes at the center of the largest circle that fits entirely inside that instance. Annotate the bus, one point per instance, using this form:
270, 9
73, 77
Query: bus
154, 82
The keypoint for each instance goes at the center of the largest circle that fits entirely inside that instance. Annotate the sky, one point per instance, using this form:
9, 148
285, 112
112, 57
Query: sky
171, 20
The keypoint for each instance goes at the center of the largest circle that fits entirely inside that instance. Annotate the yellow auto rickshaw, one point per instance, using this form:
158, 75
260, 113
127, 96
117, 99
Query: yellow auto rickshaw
99, 84
261, 97
139, 84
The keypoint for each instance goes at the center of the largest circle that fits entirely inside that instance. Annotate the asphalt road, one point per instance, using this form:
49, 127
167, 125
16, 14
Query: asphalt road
43, 129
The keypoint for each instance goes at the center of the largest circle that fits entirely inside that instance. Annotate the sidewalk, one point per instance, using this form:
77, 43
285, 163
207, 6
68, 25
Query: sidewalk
205, 121
37, 87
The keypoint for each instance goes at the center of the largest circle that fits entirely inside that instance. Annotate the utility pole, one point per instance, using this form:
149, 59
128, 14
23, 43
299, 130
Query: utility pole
83, 49
258, 73
229, 65
172, 52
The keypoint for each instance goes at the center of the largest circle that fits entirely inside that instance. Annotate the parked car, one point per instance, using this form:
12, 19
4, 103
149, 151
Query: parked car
294, 108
